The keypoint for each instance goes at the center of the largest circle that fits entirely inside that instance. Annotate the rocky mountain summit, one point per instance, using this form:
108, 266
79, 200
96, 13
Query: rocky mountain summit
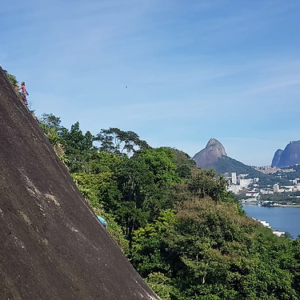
276, 158
287, 157
210, 154
52, 244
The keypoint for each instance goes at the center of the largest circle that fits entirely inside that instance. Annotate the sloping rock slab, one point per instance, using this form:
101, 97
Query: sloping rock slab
52, 245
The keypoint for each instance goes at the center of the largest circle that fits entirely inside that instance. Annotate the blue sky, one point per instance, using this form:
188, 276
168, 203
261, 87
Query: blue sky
194, 70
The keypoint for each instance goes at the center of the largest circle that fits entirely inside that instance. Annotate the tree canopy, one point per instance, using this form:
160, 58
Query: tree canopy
182, 230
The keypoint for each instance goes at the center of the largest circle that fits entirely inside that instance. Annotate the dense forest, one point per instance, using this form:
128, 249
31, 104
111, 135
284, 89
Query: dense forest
183, 232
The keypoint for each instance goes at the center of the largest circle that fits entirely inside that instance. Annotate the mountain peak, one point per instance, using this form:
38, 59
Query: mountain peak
287, 157
215, 143
210, 154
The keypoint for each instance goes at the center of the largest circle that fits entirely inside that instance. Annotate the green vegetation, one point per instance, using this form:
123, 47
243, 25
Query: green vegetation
184, 164
13, 80
183, 232
227, 164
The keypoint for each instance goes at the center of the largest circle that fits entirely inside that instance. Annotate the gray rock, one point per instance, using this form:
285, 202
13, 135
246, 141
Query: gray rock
210, 154
289, 156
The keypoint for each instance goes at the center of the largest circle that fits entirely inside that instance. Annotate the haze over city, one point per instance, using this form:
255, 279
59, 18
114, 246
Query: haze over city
177, 74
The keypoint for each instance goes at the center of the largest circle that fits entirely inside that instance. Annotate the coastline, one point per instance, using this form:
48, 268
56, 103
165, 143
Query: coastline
277, 205
283, 205
284, 218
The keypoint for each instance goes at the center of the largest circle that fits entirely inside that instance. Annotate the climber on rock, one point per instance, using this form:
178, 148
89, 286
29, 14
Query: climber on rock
102, 221
24, 92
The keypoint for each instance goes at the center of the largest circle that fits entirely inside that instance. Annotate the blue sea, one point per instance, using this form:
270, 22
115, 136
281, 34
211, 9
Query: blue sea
285, 219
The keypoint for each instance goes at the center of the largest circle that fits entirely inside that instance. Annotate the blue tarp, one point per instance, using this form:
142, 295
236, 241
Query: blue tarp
103, 222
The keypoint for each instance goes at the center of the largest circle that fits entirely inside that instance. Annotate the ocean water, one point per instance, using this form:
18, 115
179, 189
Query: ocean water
285, 219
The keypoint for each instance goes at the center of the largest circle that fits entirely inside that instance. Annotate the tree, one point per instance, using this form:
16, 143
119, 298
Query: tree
208, 183
50, 125
51, 121
150, 255
117, 141
12, 79
145, 181
183, 162
149, 249
79, 148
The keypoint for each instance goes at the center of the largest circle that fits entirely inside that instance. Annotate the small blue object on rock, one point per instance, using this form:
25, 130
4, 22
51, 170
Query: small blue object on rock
103, 222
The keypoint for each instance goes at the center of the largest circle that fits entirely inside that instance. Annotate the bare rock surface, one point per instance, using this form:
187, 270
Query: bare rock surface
288, 157
276, 158
52, 245
210, 154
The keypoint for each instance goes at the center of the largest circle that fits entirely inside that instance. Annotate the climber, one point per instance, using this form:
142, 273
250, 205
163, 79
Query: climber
103, 222
23, 92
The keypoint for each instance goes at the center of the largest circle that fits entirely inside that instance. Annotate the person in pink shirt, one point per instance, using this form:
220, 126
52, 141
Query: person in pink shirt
23, 92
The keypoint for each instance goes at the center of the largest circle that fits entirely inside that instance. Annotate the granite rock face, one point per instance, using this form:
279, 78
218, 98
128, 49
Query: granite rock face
52, 244
210, 154
288, 157
276, 158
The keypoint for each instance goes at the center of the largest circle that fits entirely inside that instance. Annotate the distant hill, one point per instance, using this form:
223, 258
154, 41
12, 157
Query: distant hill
214, 156
210, 154
289, 156
225, 164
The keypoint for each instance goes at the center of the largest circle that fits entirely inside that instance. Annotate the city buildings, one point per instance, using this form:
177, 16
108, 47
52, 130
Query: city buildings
239, 183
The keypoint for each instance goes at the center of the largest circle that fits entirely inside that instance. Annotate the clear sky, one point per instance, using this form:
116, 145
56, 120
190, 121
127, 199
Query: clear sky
175, 72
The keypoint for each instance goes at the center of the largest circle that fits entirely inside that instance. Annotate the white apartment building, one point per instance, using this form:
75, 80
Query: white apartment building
276, 188
233, 178
245, 182
234, 188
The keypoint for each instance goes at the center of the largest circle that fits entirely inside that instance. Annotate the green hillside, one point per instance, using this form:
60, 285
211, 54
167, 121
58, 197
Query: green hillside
225, 164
